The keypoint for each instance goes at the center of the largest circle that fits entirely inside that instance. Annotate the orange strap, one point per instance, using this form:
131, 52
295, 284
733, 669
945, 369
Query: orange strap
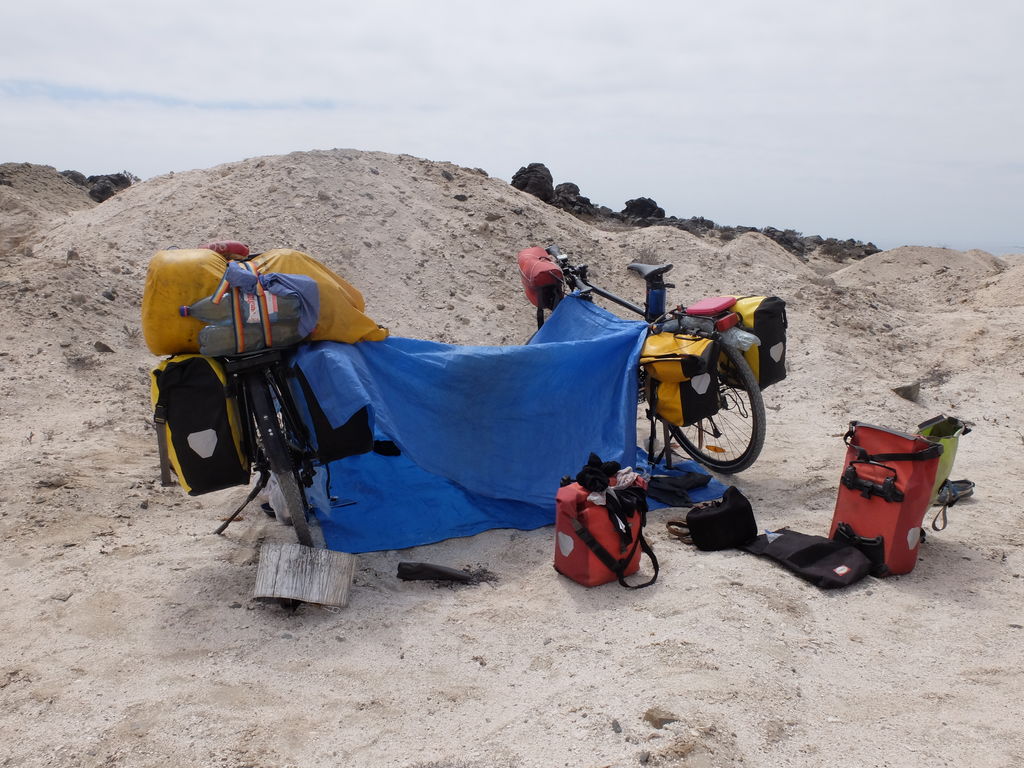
222, 289
239, 307
238, 319
261, 305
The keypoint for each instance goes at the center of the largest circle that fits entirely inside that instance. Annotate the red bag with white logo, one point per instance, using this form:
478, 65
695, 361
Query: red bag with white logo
597, 544
885, 490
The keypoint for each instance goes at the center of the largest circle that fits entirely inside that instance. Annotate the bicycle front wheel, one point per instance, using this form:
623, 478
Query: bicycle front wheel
730, 440
275, 446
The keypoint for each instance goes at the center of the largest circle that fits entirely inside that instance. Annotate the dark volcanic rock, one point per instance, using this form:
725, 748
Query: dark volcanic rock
695, 225
643, 208
645, 212
106, 186
75, 177
789, 239
844, 250
101, 187
535, 179
567, 197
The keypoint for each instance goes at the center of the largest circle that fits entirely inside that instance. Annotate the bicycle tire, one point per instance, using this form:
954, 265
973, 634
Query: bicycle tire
737, 430
275, 447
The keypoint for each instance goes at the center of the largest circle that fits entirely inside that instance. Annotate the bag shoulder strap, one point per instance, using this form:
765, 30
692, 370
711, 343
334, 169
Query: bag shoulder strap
617, 566
931, 452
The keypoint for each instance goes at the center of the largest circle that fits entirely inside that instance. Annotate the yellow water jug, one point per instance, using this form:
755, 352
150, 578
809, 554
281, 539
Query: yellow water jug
181, 277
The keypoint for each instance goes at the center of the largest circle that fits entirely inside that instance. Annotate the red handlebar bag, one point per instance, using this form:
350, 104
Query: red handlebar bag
885, 490
542, 278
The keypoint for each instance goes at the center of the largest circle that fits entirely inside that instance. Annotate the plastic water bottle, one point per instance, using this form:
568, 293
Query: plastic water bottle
281, 308
217, 338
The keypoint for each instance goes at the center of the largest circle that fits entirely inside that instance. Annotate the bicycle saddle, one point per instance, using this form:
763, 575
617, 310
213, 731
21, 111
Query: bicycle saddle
649, 271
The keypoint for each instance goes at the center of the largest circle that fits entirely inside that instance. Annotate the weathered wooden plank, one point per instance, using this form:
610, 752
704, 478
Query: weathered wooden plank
296, 572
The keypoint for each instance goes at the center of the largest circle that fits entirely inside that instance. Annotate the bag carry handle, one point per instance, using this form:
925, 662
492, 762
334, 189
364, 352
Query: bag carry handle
932, 451
680, 530
936, 420
886, 489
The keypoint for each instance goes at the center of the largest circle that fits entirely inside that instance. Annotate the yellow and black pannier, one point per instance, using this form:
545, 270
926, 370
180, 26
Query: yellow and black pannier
765, 317
200, 422
682, 377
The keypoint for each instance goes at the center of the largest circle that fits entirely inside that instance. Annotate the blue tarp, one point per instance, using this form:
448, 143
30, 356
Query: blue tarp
485, 433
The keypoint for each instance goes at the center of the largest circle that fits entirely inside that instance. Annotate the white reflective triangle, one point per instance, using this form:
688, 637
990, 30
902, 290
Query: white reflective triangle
776, 351
203, 443
701, 383
565, 544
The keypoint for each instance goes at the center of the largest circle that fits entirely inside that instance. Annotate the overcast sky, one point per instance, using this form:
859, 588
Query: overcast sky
895, 121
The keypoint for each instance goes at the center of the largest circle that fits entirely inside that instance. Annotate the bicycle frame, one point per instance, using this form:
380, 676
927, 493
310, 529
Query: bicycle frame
577, 278
266, 367
730, 439
260, 378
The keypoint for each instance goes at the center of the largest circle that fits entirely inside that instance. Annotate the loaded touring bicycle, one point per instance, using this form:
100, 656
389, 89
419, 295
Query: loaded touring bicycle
702, 368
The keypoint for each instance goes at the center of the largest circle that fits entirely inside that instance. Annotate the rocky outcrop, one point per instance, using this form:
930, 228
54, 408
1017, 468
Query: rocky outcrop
567, 197
642, 208
844, 250
536, 179
101, 187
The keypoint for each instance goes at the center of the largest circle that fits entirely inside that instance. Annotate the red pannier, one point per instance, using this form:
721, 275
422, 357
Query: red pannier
541, 276
594, 546
885, 491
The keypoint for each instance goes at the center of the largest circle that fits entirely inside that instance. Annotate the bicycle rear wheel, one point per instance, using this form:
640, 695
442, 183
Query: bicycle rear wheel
731, 440
275, 446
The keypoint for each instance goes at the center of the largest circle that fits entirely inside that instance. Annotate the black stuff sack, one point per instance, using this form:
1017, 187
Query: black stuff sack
823, 562
715, 525
674, 489
201, 424
331, 442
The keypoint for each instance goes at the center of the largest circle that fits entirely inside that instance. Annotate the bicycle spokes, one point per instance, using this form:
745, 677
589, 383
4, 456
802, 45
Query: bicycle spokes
732, 401
708, 428
729, 440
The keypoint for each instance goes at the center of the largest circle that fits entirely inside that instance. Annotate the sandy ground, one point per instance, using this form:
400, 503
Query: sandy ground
130, 637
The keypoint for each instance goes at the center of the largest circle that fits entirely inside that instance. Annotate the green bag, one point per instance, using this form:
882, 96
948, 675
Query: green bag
946, 431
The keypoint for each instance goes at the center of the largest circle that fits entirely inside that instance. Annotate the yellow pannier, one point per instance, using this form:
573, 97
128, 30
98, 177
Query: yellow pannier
682, 377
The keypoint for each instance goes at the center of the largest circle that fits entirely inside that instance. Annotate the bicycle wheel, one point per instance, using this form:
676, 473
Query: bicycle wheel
731, 440
275, 446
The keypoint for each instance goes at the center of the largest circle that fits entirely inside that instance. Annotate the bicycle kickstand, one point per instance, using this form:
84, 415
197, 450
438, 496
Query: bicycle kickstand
260, 485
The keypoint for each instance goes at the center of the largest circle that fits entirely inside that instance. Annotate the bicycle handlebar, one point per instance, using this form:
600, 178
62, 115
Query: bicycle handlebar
575, 276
